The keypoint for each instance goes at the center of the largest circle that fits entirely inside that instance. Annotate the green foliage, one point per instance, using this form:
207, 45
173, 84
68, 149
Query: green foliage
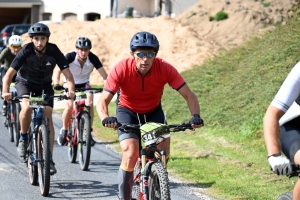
221, 16
192, 14
265, 4
211, 18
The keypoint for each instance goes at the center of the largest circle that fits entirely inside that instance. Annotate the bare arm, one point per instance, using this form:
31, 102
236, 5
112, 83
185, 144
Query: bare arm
103, 73
271, 129
70, 82
56, 76
191, 99
102, 105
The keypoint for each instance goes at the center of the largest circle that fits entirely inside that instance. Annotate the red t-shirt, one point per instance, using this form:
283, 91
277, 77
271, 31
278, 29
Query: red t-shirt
142, 94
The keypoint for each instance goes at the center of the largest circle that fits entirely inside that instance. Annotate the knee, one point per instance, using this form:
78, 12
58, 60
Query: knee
129, 154
89, 103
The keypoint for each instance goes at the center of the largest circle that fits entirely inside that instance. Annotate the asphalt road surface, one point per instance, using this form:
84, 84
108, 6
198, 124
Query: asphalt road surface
99, 182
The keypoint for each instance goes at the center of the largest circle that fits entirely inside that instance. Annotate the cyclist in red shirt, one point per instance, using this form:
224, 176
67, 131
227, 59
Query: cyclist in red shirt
140, 80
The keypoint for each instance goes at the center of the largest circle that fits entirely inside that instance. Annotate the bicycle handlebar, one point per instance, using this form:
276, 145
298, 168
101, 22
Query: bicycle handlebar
295, 170
152, 132
81, 89
167, 128
39, 99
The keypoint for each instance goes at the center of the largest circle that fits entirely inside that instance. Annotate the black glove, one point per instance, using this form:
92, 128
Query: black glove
109, 120
196, 119
58, 87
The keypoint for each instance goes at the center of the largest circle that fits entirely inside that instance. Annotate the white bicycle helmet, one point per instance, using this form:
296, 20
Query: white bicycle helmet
15, 40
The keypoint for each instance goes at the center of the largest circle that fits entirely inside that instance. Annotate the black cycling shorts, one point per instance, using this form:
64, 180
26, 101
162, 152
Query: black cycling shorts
290, 138
125, 115
24, 88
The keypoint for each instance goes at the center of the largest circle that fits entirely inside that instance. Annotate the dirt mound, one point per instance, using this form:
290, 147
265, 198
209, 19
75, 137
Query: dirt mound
187, 39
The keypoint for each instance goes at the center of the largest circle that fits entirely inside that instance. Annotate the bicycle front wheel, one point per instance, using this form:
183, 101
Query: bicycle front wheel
159, 188
31, 164
85, 137
16, 124
286, 196
72, 146
9, 122
43, 152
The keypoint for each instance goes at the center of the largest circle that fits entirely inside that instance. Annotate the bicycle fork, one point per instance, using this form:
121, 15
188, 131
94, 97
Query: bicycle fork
144, 186
144, 178
37, 121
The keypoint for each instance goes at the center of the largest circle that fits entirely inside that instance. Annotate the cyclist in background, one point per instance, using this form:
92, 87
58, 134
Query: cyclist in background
34, 66
281, 125
82, 63
141, 79
6, 57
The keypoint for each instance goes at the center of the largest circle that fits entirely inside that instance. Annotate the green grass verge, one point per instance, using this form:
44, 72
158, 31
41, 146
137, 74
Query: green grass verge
227, 157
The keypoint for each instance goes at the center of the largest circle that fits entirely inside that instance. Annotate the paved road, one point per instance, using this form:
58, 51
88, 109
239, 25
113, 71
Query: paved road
99, 182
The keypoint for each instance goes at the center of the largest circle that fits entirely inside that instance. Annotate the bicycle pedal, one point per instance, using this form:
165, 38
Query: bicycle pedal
6, 123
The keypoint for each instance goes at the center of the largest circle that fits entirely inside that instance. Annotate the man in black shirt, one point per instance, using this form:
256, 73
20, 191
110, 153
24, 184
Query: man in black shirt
34, 66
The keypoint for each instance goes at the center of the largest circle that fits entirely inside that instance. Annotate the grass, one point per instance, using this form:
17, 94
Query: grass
227, 156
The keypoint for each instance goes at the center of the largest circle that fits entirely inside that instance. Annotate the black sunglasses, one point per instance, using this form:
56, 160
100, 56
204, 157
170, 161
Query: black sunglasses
149, 54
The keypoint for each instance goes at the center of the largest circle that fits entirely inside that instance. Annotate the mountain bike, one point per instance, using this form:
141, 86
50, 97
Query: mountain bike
38, 153
150, 172
79, 135
11, 121
289, 195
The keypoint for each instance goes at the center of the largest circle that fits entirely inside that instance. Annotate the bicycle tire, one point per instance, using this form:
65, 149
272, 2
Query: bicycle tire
43, 152
16, 124
84, 138
9, 124
136, 190
72, 148
159, 188
32, 167
286, 196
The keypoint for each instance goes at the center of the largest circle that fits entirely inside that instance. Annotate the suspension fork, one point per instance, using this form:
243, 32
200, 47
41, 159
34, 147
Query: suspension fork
144, 176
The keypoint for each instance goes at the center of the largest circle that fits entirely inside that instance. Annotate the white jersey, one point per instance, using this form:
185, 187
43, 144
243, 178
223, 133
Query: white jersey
82, 74
288, 95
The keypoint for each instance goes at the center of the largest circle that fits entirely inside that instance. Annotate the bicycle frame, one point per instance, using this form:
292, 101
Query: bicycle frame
38, 154
150, 155
79, 108
37, 120
10, 120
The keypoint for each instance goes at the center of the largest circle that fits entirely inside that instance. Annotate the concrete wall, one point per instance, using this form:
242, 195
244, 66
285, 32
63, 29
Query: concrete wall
79, 7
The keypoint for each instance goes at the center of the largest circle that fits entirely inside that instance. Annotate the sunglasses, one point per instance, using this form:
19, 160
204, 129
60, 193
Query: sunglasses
16, 47
142, 55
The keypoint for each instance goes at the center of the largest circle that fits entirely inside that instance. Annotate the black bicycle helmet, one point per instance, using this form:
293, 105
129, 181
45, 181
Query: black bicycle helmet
38, 29
144, 39
83, 43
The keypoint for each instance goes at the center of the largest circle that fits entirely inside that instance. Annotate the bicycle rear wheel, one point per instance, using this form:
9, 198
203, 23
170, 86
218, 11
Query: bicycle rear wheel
72, 149
43, 151
16, 124
9, 124
84, 138
286, 196
159, 188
